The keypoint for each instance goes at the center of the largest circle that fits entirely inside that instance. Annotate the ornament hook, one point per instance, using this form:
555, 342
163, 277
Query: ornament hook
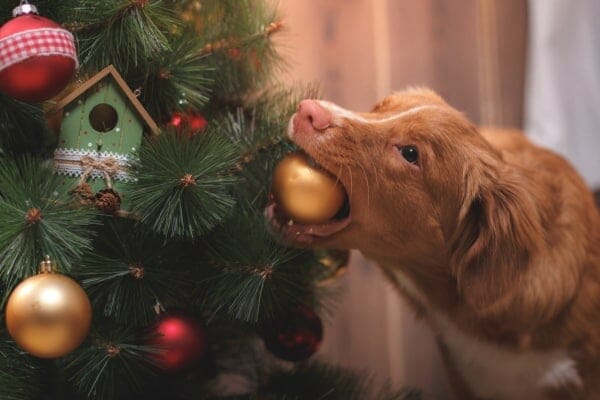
46, 265
24, 8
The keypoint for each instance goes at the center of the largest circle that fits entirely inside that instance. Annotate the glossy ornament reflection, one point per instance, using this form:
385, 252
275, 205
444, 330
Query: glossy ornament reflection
49, 314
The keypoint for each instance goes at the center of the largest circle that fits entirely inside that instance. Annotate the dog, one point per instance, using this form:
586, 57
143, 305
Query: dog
493, 240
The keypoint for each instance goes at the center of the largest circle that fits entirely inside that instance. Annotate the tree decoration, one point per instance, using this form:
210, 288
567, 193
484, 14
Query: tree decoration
37, 57
294, 336
49, 314
190, 122
304, 192
180, 340
101, 132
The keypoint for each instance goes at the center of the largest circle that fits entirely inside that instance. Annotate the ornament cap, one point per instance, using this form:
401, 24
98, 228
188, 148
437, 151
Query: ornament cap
46, 265
24, 9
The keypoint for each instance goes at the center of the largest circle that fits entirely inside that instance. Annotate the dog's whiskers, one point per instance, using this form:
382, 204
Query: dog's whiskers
367, 183
375, 169
351, 182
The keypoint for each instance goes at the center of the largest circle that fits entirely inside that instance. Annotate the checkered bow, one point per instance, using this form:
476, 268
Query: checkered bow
36, 42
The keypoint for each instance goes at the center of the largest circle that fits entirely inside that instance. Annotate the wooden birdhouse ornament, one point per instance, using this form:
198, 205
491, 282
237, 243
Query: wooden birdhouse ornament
101, 131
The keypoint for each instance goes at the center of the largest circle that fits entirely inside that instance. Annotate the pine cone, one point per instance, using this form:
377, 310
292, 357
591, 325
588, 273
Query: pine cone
83, 194
108, 201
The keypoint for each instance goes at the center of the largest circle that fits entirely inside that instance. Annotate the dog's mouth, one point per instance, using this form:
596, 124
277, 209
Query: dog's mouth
301, 233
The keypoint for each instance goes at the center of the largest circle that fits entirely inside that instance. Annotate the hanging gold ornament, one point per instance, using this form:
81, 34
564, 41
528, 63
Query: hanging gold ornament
304, 192
49, 314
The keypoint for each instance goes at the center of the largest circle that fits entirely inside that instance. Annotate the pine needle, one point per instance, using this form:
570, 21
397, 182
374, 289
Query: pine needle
61, 231
130, 270
183, 187
112, 365
255, 278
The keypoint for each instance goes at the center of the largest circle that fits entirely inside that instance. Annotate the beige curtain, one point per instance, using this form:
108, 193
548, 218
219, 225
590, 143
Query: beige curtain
472, 52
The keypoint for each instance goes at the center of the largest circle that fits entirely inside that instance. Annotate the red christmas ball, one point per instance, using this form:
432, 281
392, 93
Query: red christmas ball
295, 337
181, 341
37, 57
190, 122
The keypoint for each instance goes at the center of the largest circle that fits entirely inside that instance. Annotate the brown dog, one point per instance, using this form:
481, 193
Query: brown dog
496, 242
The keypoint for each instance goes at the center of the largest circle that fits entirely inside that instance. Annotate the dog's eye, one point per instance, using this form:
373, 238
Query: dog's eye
410, 153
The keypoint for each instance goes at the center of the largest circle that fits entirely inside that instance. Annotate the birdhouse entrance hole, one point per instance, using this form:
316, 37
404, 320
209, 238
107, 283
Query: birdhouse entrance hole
103, 118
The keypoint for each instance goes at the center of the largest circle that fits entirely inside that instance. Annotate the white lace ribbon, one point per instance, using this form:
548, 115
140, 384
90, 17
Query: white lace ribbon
69, 162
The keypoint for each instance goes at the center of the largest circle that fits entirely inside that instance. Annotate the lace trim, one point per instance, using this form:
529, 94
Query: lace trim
67, 162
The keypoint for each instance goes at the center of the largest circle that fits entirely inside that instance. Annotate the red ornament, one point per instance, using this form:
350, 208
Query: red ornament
37, 57
191, 122
295, 337
181, 341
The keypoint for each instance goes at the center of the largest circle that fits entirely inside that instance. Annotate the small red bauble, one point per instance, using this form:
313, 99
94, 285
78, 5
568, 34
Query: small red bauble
295, 337
181, 341
191, 122
37, 57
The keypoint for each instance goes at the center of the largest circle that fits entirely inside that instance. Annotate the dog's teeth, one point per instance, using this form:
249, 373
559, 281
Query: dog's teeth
290, 222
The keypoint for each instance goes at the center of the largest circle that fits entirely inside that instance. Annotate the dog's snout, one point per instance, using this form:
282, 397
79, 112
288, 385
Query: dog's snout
311, 116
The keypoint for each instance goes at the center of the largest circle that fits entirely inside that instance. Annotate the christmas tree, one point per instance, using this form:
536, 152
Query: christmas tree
137, 143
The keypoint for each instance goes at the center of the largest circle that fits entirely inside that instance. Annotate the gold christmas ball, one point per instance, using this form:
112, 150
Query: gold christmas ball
48, 315
304, 192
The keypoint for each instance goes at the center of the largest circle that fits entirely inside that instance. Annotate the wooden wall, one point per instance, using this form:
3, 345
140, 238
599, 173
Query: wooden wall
470, 51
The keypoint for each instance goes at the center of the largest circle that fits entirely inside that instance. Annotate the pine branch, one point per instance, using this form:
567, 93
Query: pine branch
38, 221
113, 365
20, 376
125, 33
254, 277
260, 129
130, 270
22, 127
184, 185
244, 28
178, 80
267, 115
229, 45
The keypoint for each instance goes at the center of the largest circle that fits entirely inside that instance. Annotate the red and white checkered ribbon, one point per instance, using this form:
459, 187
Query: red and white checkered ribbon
37, 42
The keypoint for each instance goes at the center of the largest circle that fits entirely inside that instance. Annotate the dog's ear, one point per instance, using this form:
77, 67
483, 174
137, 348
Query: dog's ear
497, 234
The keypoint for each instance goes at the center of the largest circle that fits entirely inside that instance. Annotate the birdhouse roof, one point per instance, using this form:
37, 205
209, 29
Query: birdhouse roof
110, 70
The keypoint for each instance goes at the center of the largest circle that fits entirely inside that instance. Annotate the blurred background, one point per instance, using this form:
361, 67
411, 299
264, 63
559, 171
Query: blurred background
531, 64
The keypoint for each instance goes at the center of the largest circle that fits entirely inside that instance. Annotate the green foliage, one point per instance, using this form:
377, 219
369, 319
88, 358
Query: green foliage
130, 270
255, 277
124, 33
101, 374
22, 126
63, 232
166, 204
178, 80
252, 60
20, 375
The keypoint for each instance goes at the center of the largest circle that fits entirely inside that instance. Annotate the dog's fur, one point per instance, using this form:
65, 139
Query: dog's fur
495, 241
